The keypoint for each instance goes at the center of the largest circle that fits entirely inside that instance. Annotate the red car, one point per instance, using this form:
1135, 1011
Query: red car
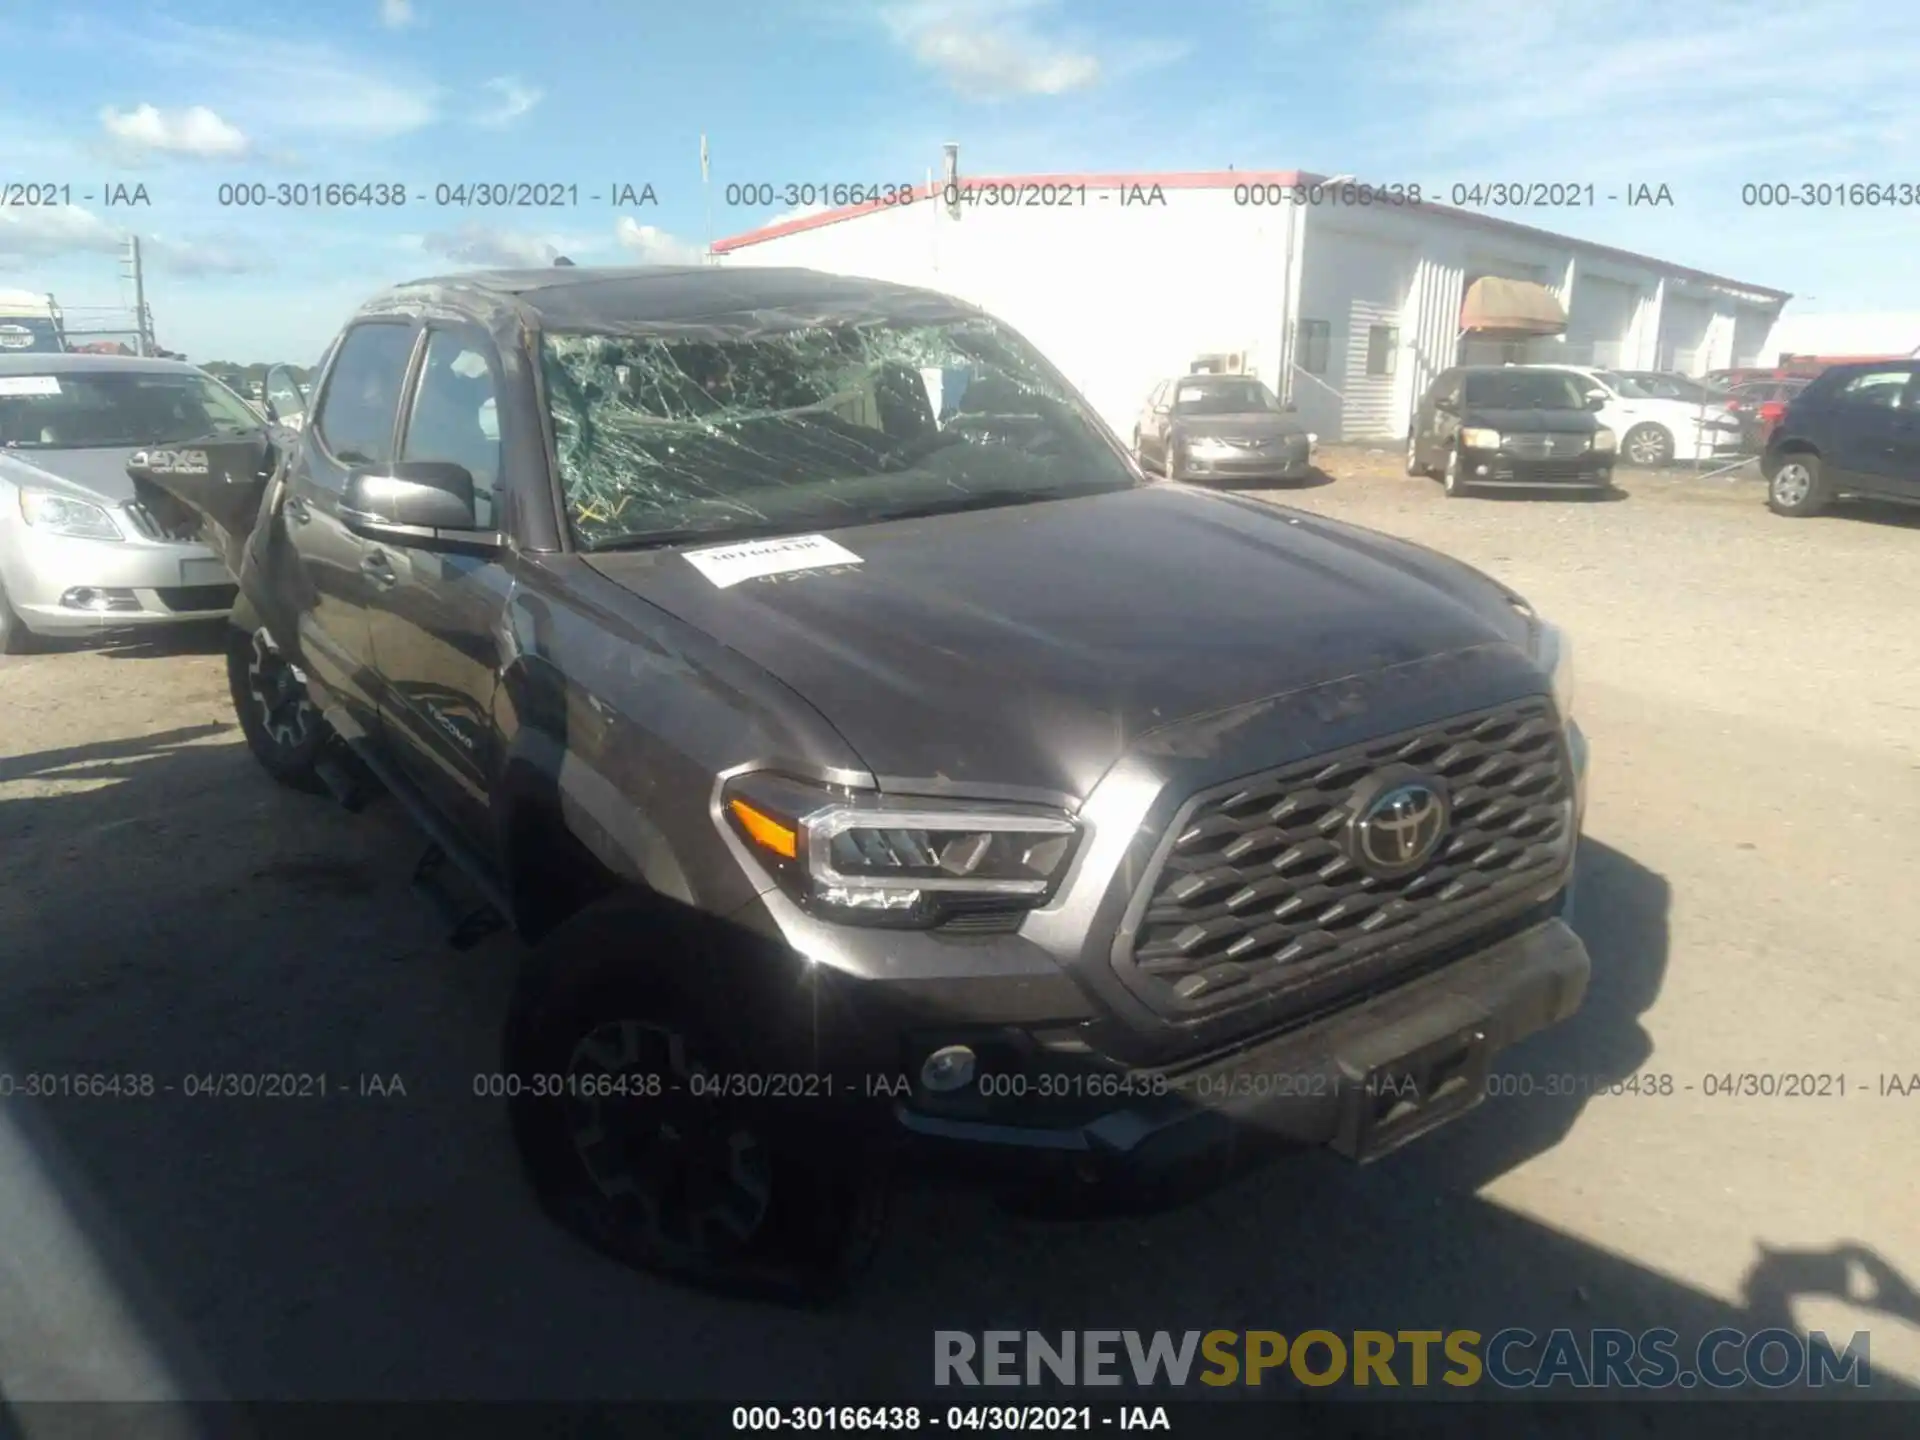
1758, 405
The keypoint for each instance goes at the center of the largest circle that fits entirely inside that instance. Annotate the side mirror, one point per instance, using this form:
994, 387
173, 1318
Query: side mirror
1442, 405
428, 504
1291, 408
1596, 400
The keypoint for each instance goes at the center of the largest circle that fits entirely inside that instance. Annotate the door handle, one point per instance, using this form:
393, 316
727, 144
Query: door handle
298, 511
377, 568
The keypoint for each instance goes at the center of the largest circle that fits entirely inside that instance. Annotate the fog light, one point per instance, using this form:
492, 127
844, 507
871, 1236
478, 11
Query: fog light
947, 1068
87, 597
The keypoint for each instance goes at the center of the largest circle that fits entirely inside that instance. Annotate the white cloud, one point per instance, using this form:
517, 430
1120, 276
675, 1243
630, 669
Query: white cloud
38, 233
273, 85
195, 131
654, 246
34, 236
515, 100
1645, 90
397, 14
989, 49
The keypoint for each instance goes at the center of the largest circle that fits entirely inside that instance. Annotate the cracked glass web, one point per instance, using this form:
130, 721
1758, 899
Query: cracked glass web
664, 438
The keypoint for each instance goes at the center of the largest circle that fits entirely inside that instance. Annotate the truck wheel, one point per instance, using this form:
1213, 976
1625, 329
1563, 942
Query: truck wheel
15, 638
1648, 446
629, 1142
283, 729
1798, 488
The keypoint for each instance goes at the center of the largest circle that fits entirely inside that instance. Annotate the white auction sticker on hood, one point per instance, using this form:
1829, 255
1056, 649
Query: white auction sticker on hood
728, 565
29, 385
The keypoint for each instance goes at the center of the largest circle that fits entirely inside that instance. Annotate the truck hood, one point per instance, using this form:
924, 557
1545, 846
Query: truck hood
1030, 646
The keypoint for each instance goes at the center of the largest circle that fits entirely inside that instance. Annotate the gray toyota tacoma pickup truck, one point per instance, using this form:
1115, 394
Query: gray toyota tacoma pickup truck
888, 777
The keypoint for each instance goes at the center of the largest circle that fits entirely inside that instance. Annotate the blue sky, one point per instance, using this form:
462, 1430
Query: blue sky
1698, 95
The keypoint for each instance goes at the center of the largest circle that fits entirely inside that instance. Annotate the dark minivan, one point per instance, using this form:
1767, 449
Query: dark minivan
1855, 430
1502, 426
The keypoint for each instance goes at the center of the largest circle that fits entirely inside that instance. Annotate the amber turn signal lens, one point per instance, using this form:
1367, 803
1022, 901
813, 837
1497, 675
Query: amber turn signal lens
765, 831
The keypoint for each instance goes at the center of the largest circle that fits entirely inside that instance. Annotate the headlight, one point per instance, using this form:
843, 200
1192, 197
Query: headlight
859, 859
59, 515
1604, 440
1205, 449
1475, 438
1554, 651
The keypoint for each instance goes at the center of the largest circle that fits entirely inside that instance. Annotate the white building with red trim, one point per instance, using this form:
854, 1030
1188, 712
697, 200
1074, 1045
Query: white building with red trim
1346, 299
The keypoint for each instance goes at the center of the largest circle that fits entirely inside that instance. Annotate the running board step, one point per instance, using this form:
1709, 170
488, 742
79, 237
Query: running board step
469, 919
346, 779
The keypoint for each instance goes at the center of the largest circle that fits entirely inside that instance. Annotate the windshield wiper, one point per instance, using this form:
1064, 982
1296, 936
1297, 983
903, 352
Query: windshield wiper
695, 534
985, 500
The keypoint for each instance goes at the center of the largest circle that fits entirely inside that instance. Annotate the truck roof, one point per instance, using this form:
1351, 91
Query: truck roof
687, 302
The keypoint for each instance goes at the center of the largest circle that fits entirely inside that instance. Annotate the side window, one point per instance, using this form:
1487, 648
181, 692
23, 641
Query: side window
456, 416
356, 414
1159, 395
1316, 342
1874, 389
1383, 348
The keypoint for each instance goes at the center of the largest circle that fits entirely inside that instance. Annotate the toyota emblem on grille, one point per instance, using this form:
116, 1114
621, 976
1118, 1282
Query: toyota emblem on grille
1398, 820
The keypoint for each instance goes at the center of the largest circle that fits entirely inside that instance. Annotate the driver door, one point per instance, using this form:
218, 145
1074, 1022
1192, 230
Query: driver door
435, 615
352, 428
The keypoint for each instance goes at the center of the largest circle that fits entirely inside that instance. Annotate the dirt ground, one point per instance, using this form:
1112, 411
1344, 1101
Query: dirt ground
1751, 687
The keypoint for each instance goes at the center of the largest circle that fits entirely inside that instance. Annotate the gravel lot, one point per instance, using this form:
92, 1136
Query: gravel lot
1752, 690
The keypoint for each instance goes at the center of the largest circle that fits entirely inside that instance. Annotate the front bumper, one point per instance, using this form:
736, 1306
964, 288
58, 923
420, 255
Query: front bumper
135, 582
1364, 1080
1293, 461
1489, 468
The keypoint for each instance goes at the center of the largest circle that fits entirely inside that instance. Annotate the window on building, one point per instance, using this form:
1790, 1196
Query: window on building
1314, 345
1383, 347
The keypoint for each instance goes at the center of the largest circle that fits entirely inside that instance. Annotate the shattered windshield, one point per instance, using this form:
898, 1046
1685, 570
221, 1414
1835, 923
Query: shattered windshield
661, 440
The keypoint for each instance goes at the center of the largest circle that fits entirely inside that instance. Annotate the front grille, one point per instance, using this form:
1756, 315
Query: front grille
185, 599
1545, 472
1256, 890
151, 526
1545, 447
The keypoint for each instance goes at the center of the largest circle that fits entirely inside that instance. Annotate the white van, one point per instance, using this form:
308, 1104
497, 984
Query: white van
30, 323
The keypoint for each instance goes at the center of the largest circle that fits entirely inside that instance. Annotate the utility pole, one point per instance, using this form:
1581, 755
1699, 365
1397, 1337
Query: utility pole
142, 321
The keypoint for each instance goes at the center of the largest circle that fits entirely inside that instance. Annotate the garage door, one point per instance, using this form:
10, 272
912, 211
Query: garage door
1683, 334
1600, 320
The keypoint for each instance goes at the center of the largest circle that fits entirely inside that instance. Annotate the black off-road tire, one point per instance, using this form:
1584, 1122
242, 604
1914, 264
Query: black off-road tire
283, 730
732, 1194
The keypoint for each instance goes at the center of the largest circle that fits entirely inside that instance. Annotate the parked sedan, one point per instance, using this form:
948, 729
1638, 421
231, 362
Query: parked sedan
1655, 432
1671, 385
1758, 406
1512, 427
80, 550
1221, 427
